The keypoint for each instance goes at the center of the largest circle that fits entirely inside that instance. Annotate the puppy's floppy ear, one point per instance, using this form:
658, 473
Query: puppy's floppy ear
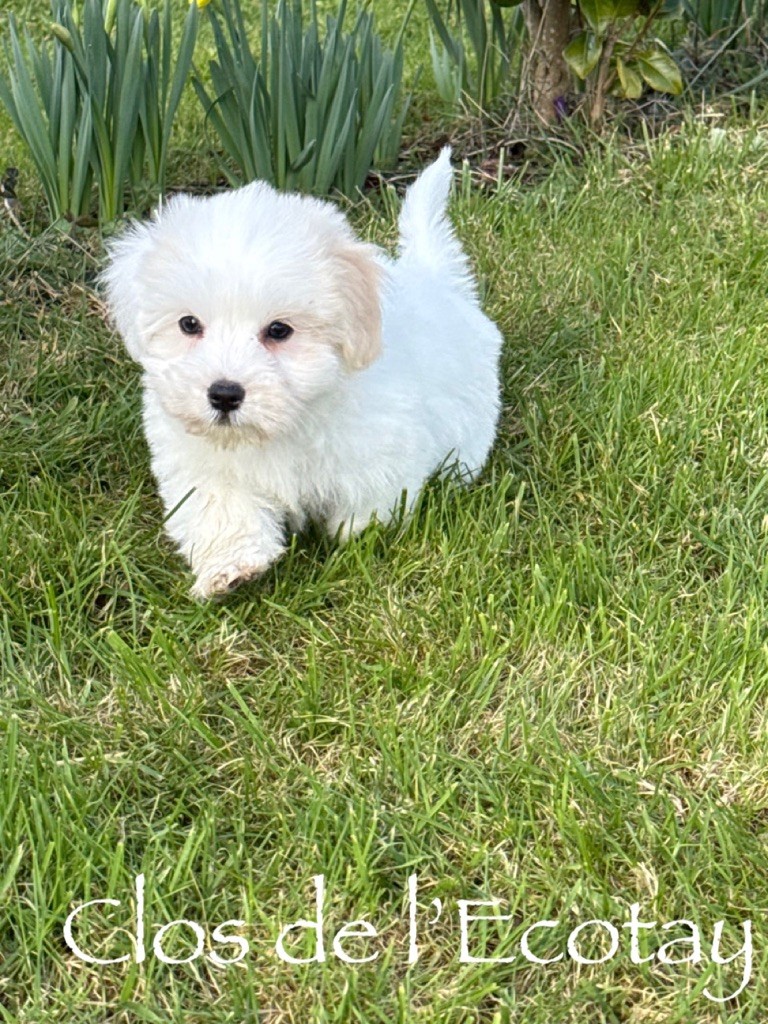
359, 281
120, 281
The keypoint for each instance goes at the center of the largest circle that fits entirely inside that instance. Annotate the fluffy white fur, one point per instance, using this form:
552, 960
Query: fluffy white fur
391, 371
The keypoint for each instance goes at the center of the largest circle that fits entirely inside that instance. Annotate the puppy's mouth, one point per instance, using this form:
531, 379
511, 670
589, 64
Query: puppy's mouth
225, 420
226, 429
231, 423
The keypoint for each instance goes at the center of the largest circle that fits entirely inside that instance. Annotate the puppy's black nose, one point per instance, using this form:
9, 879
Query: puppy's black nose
226, 395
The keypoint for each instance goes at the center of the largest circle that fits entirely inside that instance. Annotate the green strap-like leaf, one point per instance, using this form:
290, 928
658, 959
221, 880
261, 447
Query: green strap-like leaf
184, 56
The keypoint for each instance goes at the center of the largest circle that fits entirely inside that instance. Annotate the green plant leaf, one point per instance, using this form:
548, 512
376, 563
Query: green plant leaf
583, 53
95, 105
660, 71
601, 14
667, 8
630, 79
32, 121
174, 86
449, 41
304, 157
475, 48
315, 109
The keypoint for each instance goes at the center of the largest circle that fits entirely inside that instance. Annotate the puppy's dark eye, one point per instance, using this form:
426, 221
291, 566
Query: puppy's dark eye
278, 331
190, 325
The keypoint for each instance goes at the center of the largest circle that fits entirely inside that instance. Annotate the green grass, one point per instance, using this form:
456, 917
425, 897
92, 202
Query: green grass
550, 688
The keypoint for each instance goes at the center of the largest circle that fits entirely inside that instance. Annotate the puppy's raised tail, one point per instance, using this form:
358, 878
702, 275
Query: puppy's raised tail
427, 238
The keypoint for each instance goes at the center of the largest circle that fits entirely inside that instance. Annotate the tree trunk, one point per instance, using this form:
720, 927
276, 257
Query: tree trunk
549, 30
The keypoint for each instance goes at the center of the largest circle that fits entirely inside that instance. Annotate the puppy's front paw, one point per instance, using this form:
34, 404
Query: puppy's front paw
221, 581
230, 571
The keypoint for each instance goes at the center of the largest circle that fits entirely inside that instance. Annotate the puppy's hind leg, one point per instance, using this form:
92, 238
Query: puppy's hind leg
344, 523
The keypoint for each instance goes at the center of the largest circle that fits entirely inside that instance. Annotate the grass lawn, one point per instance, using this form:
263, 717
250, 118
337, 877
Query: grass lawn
549, 689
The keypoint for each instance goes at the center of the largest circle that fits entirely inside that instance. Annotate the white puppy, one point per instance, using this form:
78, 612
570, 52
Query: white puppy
292, 371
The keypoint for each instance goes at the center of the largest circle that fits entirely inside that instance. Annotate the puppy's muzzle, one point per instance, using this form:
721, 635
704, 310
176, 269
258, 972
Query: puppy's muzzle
226, 395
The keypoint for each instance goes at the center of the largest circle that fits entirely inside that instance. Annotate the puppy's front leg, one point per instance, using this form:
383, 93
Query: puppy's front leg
227, 539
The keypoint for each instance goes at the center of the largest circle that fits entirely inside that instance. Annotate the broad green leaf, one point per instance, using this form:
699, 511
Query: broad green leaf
660, 71
631, 82
583, 53
667, 8
601, 14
